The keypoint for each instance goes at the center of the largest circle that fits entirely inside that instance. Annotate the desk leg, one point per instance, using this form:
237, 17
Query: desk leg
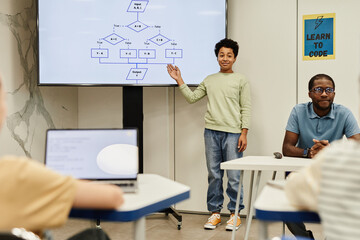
237, 203
249, 217
263, 230
251, 186
250, 194
139, 229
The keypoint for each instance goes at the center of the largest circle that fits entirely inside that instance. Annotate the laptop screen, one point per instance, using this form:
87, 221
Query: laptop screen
93, 153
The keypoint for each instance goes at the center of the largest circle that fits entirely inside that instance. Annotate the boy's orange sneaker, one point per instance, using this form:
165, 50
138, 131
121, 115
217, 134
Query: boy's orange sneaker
213, 221
230, 223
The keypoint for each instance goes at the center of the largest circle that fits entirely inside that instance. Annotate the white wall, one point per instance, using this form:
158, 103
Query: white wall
190, 163
159, 131
266, 32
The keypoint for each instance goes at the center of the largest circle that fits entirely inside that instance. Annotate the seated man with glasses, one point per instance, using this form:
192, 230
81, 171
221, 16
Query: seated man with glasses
314, 125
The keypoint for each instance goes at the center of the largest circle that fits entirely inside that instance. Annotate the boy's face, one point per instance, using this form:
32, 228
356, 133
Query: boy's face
226, 59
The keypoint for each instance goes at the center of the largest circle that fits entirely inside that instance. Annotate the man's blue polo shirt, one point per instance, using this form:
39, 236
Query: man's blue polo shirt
305, 122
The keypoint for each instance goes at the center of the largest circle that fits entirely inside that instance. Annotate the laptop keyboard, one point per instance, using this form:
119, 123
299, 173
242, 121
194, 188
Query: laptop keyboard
125, 184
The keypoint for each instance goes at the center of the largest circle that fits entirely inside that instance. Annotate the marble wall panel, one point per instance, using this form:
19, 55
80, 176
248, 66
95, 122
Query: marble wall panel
31, 109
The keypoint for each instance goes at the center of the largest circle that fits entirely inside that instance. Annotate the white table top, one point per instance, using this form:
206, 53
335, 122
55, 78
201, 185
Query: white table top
278, 203
273, 205
152, 188
154, 193
266, 163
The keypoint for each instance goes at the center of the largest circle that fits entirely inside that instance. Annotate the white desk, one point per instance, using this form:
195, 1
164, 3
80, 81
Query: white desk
272, 205
154, 193
259, 163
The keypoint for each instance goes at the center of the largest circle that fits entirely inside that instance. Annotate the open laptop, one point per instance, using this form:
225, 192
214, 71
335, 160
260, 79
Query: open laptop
101, 155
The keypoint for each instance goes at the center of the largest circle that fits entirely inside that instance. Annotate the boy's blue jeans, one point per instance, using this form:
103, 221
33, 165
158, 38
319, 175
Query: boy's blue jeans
221, 147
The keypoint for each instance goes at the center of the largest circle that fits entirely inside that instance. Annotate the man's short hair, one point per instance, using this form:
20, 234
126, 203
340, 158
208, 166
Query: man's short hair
228, 43
320, 76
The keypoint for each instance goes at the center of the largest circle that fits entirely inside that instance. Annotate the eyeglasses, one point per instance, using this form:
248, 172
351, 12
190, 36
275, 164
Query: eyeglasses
320, 90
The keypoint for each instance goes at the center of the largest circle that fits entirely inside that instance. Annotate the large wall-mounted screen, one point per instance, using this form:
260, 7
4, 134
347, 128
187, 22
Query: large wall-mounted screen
128, 42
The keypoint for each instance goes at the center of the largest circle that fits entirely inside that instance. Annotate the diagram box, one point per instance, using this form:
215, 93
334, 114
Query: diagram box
114, 39
99, 53
136, 74
173, 53
147, 53
137, 26
128, 53
159, 39
138, 6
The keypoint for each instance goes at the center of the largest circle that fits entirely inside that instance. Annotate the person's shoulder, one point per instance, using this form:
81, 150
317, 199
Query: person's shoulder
342, 149
27, 166
342, 112
301, 110
212, 75
341, 108
344, 145
302, 106
239, 76
20, 168
210, 78
11, 160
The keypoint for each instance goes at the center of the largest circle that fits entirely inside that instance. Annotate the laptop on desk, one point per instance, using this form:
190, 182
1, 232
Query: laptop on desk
100, 155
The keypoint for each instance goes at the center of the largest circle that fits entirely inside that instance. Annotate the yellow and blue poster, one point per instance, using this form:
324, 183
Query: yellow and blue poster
319, 36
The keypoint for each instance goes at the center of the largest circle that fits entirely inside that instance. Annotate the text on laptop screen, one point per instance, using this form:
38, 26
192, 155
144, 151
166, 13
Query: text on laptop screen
93, 153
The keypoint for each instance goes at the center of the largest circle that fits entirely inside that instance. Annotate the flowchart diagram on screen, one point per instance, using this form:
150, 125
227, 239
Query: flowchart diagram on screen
139, 45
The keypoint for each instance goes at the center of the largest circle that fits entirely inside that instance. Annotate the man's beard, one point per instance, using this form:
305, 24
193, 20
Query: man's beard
317, 105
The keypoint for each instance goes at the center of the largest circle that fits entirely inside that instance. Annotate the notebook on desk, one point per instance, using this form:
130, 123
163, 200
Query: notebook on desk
100, 155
